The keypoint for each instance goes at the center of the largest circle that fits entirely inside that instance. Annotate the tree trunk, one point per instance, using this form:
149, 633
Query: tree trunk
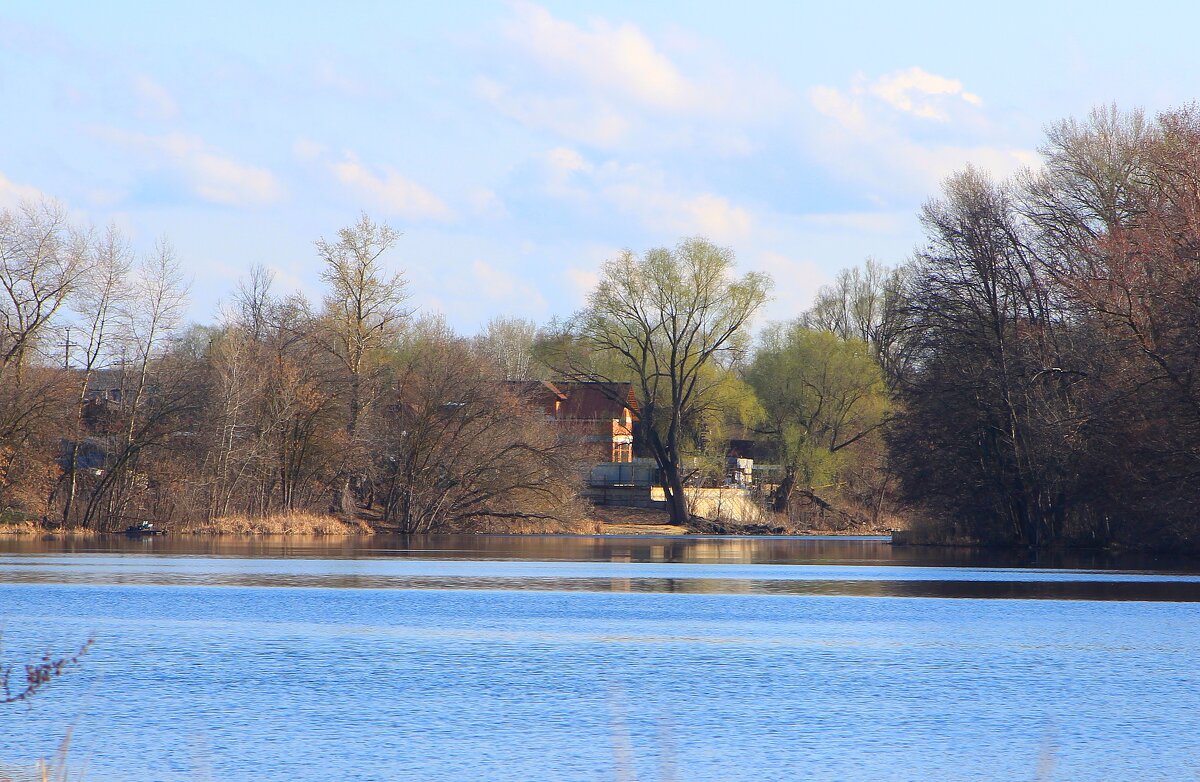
672, 484
783, 492
671, 481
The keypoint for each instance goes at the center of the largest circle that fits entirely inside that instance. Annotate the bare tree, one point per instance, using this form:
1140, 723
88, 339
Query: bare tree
458, 450
864, 303
364, 306
101, 295
509, 343
990, 424
253, 302
151, 317
41, 258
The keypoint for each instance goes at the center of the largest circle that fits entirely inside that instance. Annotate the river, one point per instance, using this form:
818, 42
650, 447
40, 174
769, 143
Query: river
577, 658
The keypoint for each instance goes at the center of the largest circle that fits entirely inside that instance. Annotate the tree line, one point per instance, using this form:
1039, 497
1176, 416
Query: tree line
114, 410
1029, 376
1049, 380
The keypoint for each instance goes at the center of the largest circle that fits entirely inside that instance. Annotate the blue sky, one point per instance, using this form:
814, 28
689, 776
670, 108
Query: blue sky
518, 145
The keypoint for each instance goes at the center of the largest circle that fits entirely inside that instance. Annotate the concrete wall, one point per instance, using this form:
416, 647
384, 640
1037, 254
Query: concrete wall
639, 472
732, 504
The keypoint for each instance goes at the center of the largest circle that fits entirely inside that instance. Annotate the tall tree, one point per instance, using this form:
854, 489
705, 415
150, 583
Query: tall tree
41, 258
665, 318
989, 420
154, 390
364, 305
458, 450
101, 297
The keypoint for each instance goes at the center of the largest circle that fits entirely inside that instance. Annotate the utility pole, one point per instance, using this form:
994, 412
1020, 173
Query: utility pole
67, 345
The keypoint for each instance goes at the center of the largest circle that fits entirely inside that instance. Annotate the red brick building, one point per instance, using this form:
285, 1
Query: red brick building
599, 415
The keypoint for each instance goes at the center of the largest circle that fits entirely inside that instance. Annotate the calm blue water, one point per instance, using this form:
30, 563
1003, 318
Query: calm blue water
685, 662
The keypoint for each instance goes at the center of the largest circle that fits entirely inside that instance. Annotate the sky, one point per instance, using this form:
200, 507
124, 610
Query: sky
518, 145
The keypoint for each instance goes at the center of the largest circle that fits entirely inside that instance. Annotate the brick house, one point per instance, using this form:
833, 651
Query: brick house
598, 415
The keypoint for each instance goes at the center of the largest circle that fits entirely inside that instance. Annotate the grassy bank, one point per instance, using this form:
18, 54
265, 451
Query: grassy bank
33, 527
307, 524
605, 520
296, 523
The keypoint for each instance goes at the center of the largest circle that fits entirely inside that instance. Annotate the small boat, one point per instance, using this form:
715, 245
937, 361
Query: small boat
144, 528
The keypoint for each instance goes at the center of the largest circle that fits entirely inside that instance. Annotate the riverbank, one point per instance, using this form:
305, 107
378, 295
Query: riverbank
600, 520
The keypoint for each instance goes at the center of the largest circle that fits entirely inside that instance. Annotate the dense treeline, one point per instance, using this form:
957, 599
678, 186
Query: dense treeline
1052, 393
112, 410
1040, 353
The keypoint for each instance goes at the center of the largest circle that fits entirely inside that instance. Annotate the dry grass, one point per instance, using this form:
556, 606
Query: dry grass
32, 527
297, 523
26, 527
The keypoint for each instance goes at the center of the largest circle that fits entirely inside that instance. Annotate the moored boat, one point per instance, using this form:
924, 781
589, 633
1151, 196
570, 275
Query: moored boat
144, 528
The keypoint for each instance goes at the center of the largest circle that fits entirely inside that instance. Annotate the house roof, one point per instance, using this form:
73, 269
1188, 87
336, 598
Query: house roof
579, 400
593, 401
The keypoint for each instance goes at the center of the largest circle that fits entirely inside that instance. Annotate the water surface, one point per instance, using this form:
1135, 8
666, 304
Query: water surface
506, 658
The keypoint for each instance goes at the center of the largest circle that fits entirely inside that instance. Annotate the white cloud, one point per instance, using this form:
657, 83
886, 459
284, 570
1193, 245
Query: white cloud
678, 212
869, 134
212, 175
565, 161
485, 202
471, 292
862, 222
833, 103
562, 164
571, 116
582, 281
154, 101
105, 197
390, 190
616, 59
796, 284
13, 193
286, 280
914, 92
493, 283
327, 74
606, 84
644, 194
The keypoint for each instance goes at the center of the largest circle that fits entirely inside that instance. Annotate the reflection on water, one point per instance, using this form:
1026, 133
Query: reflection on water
846, 550
867, 566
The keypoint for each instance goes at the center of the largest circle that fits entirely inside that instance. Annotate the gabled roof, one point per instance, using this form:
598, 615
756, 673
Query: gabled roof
597, 401
580, 401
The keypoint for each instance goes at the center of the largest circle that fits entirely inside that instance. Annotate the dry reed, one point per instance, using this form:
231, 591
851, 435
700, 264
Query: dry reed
296, 523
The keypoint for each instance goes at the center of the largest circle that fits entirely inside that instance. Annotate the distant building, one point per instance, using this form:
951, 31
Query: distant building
600, 415
739, 462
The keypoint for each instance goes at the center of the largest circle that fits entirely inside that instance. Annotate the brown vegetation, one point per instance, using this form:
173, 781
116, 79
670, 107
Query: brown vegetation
294, 523
1054, 391
284, 418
